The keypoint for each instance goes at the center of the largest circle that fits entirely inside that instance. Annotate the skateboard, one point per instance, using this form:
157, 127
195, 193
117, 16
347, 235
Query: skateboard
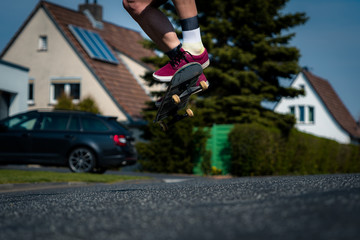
177, 95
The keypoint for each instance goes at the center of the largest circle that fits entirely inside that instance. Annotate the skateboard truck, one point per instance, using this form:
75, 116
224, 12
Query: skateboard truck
189, 90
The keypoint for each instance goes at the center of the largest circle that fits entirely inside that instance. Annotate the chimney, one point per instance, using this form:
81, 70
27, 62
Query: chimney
94, 8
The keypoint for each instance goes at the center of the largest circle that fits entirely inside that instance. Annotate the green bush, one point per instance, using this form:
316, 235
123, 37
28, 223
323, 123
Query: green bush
172, 151
87, 104
259, 150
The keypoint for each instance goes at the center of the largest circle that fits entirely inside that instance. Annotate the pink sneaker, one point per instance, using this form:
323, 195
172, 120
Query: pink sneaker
165, 73
194, 90
202, 78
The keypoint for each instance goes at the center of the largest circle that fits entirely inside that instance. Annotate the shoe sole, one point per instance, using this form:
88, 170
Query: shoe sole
166, 79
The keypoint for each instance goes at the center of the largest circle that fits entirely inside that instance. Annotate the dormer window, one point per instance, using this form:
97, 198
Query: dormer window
43, 43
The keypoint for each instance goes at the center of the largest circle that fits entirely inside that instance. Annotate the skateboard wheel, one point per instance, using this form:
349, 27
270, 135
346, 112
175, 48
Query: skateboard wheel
189, 112
203, 85
176, 99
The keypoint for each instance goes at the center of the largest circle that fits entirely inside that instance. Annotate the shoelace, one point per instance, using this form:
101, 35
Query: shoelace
177, 59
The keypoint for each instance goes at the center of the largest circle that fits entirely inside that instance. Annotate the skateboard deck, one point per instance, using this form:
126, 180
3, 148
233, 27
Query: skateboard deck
177, 95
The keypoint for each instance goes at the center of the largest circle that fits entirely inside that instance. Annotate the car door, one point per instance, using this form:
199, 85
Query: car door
51, 140
15, 137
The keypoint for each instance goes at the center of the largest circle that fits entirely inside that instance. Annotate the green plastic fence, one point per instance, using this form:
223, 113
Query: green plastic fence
219, 146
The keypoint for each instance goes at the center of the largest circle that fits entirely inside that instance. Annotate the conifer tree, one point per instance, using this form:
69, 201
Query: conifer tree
249, 45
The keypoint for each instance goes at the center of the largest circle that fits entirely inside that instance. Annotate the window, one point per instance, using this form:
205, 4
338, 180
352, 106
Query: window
69, 86
31, 92
301, 114
54, 122
93, 44
93, 124
74, 90
59, 89
292, 110
305, 114
311, 115
74, 124
43, 43
22, 122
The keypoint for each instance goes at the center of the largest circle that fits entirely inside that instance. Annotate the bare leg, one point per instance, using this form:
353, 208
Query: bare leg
154, 23
187, 12
185, 8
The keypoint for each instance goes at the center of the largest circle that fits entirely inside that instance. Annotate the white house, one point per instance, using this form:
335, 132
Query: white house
320, 112
13, 88
76, 52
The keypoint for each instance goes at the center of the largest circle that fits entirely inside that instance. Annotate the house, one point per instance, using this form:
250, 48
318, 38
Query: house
320, 112
13, 88
77, 53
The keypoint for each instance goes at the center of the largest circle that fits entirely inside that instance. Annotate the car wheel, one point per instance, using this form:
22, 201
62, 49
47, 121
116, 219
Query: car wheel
81, 160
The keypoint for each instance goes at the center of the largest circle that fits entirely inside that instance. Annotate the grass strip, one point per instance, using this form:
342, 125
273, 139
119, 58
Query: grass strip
21, 176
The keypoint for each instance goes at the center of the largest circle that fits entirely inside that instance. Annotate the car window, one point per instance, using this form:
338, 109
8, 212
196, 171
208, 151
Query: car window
117, 124
21, 122
93, 124
74, 124
54, 122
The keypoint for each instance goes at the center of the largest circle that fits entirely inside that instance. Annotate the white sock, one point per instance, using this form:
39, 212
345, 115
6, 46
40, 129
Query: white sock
192, 41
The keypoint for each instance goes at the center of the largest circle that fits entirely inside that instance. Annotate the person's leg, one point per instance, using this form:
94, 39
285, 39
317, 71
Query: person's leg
158, 27
187, 12
154, 23
185, 8
192, 49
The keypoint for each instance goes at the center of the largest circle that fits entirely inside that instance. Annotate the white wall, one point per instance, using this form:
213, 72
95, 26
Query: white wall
14, 80
324, 124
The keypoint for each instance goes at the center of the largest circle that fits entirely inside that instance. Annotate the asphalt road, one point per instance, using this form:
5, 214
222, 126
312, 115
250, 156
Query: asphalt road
302, 207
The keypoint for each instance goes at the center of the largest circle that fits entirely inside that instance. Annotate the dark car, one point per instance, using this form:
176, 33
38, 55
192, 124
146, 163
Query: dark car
83, 141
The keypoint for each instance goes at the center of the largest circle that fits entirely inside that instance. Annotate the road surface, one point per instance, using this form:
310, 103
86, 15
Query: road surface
294, 207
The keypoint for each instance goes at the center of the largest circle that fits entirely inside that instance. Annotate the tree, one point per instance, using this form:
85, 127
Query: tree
249, 44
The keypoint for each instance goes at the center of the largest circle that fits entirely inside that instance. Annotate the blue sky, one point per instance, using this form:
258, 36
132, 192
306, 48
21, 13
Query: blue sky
329, 42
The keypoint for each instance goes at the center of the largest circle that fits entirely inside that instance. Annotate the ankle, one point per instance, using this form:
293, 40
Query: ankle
173, 53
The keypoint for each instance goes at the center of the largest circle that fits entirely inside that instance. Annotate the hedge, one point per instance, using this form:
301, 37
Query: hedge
259, 150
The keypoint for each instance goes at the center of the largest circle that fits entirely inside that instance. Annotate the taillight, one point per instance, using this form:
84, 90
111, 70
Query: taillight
120, 140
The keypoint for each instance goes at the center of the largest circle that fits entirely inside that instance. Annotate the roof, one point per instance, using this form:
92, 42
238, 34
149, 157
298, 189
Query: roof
13, 65
333, 103
116, 79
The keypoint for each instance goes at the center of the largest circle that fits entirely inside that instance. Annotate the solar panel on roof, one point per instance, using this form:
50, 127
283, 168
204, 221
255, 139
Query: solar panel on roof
93, 44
